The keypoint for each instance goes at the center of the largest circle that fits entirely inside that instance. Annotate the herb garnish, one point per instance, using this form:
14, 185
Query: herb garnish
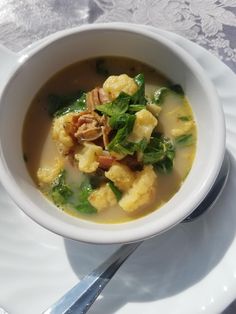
184, 140
185, 118
160, 152
83, 204
61, 191
61, 104
160, 94
117, 107
115, 190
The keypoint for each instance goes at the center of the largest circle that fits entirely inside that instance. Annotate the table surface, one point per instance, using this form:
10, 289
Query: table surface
209, 23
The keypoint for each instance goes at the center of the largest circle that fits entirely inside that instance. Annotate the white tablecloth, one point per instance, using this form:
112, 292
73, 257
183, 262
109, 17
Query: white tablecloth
210, 23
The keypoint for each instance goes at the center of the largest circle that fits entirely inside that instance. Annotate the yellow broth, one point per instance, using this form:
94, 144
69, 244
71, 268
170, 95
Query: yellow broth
40, 150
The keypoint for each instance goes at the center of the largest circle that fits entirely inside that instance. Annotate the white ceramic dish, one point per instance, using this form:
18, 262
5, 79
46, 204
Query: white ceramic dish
189, 269
41, 62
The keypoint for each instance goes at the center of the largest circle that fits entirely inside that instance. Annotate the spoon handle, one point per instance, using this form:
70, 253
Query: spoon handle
79, 299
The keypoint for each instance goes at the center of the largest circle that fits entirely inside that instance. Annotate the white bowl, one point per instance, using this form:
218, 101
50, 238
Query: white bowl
70, 46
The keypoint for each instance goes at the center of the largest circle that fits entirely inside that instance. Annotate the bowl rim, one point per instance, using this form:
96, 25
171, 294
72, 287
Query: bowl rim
141, 232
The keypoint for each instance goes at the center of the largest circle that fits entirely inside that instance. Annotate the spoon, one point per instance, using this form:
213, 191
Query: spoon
79, 299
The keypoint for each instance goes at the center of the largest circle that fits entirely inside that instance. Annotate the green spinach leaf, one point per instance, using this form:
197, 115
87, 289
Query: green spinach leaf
177, 89
124, 124
135, 108
139, 96
61, 191
131, 147
122, 134
118, 121
160, 152
115, 190
165, 166
117, 107
57, 102
185, 140
75, 106
185, 118
83, 204
160, 94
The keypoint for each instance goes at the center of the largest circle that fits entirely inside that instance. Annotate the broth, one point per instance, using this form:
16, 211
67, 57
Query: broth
40, 150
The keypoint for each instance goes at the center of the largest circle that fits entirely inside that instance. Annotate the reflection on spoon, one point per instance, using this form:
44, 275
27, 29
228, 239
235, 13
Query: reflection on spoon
79, 299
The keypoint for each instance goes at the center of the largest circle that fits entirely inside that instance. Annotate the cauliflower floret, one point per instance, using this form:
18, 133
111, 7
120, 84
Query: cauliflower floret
142, 191
60, 133
144, 124
87, 157
154, 109
187, 126
121, 175
102, 198
114, 85
48, 174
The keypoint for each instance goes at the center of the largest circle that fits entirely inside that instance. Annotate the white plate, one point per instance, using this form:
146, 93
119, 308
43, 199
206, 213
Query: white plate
189, 269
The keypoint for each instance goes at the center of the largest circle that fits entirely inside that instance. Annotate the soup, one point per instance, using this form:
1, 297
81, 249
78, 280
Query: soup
109, 139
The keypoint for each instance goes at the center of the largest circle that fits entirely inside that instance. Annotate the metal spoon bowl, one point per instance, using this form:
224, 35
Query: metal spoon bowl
79, 299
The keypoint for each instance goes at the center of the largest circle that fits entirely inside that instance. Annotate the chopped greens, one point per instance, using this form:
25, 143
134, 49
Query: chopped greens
58, 102
119, 121
115, 190
165, 166
129, 148
139, 96
177, 89
76, 106
97, 179
124, 124
83, 204
185, 118
138, 146
61, 192
160, 152
117, 107
118, 140
184, 140
160, 94
135, 108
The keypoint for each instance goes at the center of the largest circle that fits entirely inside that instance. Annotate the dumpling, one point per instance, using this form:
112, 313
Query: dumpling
144, 124
121, 176
102, 198
87, 157
142, 191
114, 85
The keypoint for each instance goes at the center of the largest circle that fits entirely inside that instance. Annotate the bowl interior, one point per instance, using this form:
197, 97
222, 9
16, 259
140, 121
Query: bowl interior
89, 42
